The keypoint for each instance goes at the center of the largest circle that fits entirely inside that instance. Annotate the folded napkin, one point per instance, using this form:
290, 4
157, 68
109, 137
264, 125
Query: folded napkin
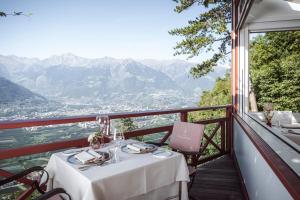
85, 157
94, 153
295, 125
137, 147
88, 156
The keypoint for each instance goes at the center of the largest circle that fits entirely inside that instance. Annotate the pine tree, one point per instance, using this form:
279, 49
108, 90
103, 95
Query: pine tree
210, 32
5, 14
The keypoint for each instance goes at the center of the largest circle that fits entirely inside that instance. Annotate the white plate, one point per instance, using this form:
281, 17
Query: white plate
151, 147
73, 160
162, 153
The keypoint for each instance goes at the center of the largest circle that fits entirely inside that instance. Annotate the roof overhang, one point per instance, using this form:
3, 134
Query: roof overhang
265, 11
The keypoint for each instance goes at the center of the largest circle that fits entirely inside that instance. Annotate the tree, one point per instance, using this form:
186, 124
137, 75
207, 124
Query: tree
275, 69
127, 124
210, 32
219, 95
5, 14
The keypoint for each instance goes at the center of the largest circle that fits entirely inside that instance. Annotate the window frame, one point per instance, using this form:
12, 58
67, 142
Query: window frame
243, 69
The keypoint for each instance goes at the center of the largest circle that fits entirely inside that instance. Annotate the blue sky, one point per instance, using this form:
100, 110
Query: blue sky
92, 28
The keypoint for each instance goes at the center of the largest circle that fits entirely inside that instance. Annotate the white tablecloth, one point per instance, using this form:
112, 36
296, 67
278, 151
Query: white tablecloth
136, 176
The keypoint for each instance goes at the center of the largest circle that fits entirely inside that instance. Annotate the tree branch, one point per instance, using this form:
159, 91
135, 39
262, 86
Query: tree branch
4, 14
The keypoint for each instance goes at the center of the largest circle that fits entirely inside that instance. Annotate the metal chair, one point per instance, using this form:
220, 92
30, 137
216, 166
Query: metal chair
37, 184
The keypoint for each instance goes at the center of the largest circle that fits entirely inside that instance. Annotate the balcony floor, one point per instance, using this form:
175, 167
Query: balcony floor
217, 180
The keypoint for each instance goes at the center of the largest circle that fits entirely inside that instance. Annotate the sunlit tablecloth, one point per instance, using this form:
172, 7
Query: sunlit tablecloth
136, 176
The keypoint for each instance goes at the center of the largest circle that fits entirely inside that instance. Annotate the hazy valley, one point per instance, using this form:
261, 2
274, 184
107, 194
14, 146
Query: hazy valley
68, 85
71, 80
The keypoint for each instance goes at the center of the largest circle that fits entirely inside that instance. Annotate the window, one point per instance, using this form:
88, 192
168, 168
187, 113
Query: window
269, 74
274, 80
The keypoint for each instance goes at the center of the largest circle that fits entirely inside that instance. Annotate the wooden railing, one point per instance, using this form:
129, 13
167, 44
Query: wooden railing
223, 123
223, 126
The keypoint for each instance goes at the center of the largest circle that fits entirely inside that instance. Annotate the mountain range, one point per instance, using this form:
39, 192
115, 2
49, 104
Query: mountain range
65, 77
13, 93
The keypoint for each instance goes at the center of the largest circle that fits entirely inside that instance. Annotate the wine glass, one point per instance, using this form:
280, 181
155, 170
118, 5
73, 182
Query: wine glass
277, 120
118, 137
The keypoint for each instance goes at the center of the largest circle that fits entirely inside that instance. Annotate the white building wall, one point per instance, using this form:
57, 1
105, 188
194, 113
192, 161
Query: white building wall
260, 181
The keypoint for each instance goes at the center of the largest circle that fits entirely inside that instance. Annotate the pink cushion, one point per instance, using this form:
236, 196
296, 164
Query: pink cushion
186, 136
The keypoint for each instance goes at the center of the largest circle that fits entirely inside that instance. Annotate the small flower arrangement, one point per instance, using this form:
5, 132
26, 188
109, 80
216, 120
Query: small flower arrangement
268, 112
94, 138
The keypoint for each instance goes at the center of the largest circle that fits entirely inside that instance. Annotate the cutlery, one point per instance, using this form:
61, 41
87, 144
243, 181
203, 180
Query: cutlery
86, 167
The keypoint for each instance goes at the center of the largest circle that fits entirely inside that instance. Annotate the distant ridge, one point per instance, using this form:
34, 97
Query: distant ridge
12, 93
72, 78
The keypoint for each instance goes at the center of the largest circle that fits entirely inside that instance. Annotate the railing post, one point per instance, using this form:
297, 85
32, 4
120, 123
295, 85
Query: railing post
223, 137
184, 116
229, 129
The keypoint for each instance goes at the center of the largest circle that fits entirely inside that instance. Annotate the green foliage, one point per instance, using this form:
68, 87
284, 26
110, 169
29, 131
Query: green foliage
127, 124
275, 69
184, 4
207, 33
16, 192
2, 14
10, 195
219, 95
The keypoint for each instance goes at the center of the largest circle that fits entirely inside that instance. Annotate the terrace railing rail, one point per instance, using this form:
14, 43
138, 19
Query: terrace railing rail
223, 123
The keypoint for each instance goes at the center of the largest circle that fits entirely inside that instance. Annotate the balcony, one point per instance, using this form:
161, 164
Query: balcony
216, 171
241, 157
